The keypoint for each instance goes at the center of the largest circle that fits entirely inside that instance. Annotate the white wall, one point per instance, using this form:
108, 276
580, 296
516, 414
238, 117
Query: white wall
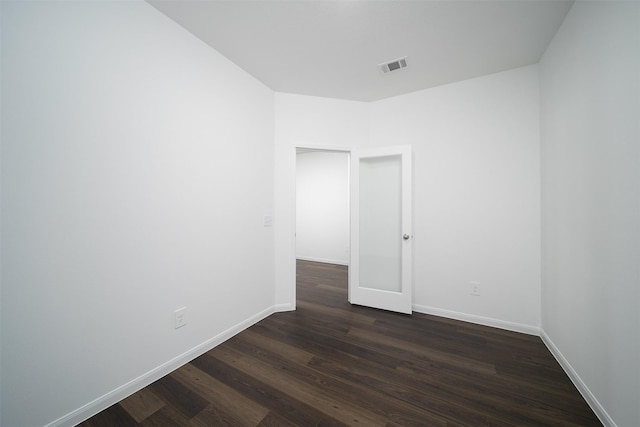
303, 121
590, 99
322, 206
476, 195
476, 188
136, 170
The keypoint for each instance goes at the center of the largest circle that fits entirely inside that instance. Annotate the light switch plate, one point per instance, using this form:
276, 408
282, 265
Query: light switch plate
180, 317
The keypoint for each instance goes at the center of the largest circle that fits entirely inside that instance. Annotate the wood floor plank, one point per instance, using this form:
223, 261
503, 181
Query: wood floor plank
325, 340
217, 416
315, 395
344, 387
142, 404
330, 363
322, 310
292, 353
169, 415
391, 345
274, 420
288, 407
184, 398
113, 416
227, 403
401, 403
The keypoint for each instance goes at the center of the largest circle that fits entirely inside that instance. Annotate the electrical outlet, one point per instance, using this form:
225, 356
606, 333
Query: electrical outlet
180, 317
475, 288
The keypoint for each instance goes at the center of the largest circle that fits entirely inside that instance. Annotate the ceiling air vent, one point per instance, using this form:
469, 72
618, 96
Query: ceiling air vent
395, 65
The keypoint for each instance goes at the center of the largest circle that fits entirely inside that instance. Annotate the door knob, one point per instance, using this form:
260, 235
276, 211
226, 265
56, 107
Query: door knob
405, 237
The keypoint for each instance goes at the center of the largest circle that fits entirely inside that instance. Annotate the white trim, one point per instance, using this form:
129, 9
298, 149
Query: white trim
480, 320
302, 148
591, 400
87, 411
90, 409
322, 260
279, 308
588, 396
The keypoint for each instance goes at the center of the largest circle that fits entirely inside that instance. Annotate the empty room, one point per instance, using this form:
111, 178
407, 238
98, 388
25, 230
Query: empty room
155, 267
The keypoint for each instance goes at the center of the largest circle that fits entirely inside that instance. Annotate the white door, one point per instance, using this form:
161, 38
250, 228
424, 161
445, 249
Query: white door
381, 234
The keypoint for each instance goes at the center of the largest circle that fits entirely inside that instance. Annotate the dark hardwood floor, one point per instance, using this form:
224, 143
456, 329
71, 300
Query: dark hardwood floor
330, 363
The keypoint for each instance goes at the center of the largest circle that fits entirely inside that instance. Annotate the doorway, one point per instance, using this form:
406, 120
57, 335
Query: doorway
362, 221
322, 206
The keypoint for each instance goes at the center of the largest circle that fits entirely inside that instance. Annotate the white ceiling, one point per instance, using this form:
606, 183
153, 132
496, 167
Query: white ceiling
332, 48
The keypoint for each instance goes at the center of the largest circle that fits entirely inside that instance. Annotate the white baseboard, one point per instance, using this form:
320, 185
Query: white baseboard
323, 260
577, 381
279, 308
103, 402
114, 396
588, 396
486, 321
